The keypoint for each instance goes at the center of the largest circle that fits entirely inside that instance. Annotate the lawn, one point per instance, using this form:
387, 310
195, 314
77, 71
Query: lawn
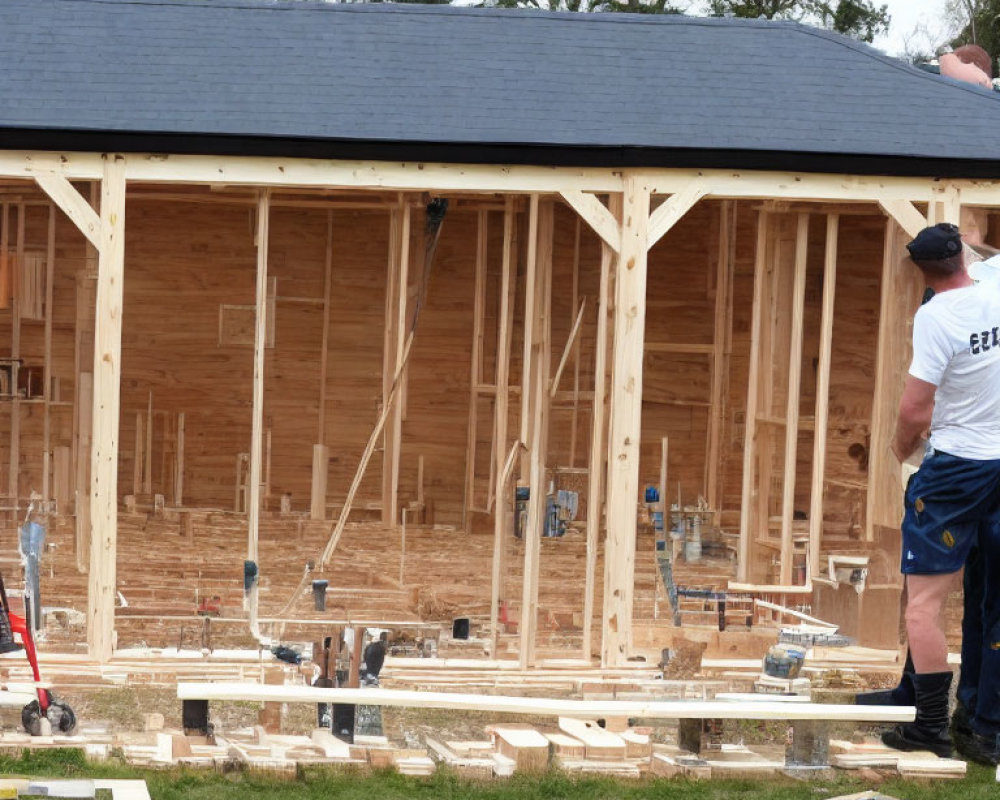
979, 784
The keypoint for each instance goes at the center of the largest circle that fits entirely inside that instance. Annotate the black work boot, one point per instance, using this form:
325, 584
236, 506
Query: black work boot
901, 695
930, 729
980, 748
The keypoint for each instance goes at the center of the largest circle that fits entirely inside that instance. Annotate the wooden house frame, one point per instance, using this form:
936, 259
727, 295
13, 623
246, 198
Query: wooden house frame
791, 209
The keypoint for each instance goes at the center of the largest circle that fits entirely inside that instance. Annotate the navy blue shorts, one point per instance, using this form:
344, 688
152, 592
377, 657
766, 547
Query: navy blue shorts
945, 501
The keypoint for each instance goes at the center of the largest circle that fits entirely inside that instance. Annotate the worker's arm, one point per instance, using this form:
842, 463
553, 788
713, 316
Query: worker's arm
915, 411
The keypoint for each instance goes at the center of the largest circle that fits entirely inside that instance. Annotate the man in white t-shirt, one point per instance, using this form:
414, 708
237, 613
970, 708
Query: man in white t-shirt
953, 388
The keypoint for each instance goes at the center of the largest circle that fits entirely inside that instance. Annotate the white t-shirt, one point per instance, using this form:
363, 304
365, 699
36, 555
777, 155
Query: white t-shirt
956, 346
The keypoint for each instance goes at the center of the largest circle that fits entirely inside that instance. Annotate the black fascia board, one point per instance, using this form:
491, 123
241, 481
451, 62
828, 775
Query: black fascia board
496, 153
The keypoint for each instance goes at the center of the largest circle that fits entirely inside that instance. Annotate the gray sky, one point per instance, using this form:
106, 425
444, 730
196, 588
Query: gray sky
906, 15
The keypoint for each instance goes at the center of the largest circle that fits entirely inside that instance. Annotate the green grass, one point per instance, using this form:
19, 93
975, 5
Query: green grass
332, 784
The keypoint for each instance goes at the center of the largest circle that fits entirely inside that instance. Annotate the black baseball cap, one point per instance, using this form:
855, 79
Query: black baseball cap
936, 243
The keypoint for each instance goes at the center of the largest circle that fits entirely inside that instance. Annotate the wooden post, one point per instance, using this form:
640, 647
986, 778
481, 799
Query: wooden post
476, 378
792, 399
598, 449
501, 531
259, 345
106, 407
575, 417
823, 394
321, 462
626, 421
540, 335
747, 518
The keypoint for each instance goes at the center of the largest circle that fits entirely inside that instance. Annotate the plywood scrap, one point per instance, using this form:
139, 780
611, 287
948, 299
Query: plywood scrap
522, 743
472, 767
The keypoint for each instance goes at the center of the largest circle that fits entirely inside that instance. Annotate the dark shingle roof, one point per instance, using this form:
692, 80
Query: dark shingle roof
284, 71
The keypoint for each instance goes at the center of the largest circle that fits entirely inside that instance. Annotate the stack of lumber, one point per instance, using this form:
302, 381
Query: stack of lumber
875, 755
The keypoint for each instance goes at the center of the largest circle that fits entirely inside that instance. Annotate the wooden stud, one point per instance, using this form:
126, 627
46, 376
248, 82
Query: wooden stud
793, 399
501, 530
147, 477
320, 466
50, 265
721, 347
260, 343
538, 332
598, 449
14, 482
823, 394
900, 295
179, 463
575, 418
106, 408
61, 478
138, 459
389, 351
476, 361
84, 441
747, 520
325, 345
570, 344
664, 501
529, 315
626, 421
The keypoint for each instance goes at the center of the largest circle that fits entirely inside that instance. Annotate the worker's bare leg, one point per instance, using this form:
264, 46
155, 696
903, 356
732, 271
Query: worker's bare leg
926, 597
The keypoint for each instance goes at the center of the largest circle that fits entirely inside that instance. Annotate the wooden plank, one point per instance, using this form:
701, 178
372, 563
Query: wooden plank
679, 347
137, 459
624, 434
320, 465
475, 367
72, 203
14, 476
599, 744
544, 706
541, 346
61, 482
753, 398
596, 215
823, 393
598, 451
147, 476
394, 434
106, 407
501, 529
793, 398
575, 417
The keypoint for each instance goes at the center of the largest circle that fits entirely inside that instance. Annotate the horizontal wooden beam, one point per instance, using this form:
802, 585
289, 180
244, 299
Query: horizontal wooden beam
28, 163
596, 215
244, 170
542, 706
73, 205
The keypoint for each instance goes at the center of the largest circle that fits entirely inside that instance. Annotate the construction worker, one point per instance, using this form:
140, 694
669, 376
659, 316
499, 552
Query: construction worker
953, 388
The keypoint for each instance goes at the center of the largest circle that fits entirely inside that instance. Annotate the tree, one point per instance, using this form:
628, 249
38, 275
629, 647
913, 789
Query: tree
861, 19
